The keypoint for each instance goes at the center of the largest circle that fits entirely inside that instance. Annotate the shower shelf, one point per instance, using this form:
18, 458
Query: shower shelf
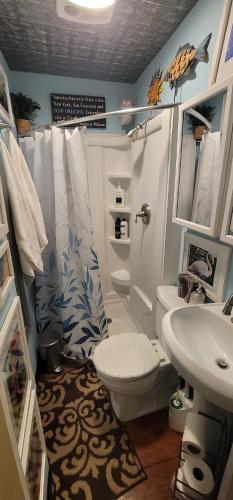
125, 210
116, 177
121, 277
119, 242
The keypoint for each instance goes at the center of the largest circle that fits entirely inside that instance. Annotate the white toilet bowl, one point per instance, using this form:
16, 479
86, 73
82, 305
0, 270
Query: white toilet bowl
136, 370
128, 365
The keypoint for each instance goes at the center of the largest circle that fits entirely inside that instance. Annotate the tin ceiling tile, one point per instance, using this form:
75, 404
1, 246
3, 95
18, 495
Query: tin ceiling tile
34, 38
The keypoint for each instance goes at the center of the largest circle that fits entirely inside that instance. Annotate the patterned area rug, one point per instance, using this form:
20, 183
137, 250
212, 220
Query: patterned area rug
91, 456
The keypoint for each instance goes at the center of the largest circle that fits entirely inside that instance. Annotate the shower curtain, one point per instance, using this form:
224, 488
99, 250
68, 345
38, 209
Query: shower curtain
68, 292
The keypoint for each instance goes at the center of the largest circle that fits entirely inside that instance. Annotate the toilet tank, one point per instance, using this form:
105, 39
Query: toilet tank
167, 299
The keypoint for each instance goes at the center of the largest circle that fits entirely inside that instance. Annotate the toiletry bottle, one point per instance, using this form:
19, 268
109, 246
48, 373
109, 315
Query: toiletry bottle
197, 296
120, 197
182, 285
118, 228
124, 229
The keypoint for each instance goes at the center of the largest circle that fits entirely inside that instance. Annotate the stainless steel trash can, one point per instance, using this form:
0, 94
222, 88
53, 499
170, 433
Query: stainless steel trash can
51, 348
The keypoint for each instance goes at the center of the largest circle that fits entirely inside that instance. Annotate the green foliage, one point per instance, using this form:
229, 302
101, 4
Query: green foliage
206, 111
24, 107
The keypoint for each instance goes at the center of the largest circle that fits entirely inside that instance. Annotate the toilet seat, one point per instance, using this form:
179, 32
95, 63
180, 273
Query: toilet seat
126, 356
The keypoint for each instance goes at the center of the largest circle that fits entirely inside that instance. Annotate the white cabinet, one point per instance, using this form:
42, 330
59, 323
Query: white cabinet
23, 462
227, 223
204, 137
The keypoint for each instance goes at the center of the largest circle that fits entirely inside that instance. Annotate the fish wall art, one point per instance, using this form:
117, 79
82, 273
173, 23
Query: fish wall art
155, 88
184, 59
180, 66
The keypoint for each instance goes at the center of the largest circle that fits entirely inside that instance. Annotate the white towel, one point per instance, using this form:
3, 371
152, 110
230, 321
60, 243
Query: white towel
207, 178
187, 175
27, 215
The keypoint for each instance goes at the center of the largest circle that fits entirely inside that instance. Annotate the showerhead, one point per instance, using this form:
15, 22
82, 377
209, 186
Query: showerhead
133, 134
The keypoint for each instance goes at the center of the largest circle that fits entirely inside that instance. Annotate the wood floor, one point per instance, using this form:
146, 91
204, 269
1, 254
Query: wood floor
158, 449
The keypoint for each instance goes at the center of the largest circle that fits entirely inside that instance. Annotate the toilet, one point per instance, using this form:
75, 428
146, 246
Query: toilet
136, 370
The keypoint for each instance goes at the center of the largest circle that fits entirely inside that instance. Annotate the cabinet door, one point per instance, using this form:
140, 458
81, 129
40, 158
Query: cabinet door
204, 136
227, 224
15, 374
34, 459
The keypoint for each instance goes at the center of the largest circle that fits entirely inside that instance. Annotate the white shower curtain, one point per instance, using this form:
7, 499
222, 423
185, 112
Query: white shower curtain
207, 178
68, 293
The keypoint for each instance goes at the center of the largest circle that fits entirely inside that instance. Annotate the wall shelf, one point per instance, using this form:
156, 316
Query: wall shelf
120, 210
119, 242
121, 277
119, 177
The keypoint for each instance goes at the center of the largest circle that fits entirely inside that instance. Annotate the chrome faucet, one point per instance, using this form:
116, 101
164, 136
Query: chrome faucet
228, 306
144, 214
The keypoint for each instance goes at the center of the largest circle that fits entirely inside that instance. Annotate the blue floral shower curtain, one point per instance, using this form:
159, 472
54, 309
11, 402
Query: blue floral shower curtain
68, 293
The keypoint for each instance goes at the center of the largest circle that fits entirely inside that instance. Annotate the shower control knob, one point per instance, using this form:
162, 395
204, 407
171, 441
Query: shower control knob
144, 214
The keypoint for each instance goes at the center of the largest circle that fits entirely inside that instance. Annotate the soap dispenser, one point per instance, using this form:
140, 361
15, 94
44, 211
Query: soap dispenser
120, 197
197, 296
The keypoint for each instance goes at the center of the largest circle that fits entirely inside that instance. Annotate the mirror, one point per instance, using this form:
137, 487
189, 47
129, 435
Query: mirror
203, 129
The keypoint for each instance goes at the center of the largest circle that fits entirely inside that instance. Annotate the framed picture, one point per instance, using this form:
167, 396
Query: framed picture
16, 379
222, 66
3, 218
207, 262
6, 114
6, 272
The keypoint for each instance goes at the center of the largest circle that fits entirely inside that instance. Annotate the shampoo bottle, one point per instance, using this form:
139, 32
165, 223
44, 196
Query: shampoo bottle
124, 229
120, 197
118, 228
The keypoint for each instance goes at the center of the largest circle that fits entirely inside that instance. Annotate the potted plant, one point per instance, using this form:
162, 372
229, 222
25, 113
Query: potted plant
197, 125
24, 109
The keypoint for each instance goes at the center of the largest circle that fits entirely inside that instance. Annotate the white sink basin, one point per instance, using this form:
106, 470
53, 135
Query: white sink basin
198, 341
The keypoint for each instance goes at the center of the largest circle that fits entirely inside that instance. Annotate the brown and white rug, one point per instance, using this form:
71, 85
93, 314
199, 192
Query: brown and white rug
91, 456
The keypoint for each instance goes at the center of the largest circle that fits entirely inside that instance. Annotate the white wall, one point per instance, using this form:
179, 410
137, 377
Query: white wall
107, 155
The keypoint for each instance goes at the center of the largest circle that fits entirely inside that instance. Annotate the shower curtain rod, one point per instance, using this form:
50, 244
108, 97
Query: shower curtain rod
119, 112
100, 116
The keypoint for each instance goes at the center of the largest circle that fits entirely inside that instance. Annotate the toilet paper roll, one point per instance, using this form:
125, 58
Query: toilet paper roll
198, 475
194, 437
182, 489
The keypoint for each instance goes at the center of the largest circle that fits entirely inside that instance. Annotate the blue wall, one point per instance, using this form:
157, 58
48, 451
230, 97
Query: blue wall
201, 20
40, 86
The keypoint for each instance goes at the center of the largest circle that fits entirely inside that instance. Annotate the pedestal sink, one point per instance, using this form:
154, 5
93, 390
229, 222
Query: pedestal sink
199, 342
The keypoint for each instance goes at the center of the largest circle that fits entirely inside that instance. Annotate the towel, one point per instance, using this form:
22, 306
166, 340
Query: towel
187, 176
207, 178
26, 211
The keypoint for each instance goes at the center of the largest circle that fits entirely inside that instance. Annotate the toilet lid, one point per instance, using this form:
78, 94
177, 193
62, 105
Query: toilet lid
126, 356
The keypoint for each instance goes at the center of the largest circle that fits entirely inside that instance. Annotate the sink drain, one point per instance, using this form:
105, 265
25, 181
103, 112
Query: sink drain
222, 363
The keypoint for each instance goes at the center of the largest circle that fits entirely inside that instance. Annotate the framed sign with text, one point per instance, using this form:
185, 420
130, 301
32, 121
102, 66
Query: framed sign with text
67, 106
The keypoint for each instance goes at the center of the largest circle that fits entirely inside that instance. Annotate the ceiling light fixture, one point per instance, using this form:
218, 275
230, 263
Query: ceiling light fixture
93, 4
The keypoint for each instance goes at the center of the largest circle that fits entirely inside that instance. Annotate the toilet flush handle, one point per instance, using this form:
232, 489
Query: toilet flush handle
144, 214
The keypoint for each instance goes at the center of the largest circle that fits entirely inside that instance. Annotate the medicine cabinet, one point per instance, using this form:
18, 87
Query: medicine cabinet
227, 224
204, 136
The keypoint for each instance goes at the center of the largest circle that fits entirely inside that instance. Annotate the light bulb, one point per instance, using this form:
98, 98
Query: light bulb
93, 4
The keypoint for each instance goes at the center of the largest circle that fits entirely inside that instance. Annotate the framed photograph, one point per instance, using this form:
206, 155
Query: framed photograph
6, 114
3, 218
207, 262
16, 379
222, 66
6, 272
